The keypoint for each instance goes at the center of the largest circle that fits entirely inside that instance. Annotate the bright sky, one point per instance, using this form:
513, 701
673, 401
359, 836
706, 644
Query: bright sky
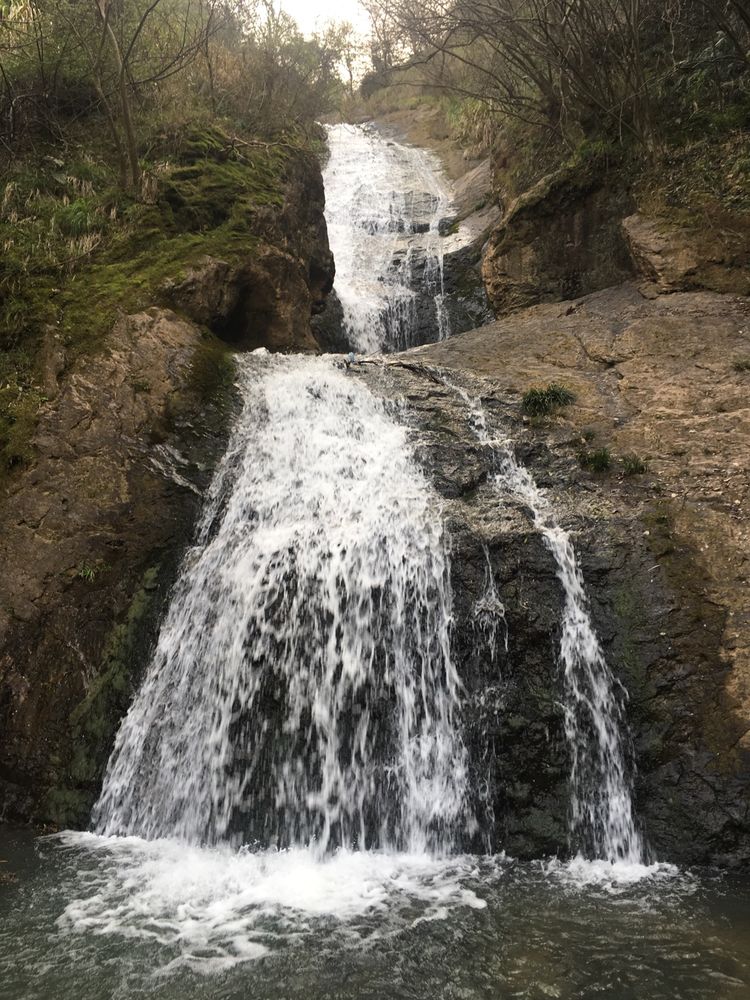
311, 15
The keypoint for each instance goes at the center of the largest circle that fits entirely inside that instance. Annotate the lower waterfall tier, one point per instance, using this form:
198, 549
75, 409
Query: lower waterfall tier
302, 689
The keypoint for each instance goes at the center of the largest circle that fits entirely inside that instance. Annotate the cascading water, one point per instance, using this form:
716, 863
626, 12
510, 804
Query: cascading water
302, 696
602, 818
488, 614
302, 690
384, 204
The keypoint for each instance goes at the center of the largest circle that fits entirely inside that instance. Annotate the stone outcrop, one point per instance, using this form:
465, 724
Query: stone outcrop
559, 240
674, 258
267, 297
262, 302
665, 554
89, 540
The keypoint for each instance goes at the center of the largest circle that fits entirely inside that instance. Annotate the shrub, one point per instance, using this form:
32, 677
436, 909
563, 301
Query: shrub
543, 402
741, 364
599, 460
632, 465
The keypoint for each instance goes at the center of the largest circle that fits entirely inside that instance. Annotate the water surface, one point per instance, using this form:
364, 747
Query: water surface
87, 918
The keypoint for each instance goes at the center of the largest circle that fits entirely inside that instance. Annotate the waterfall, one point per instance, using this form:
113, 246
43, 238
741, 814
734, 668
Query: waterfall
602, 817
302, 689
384, 204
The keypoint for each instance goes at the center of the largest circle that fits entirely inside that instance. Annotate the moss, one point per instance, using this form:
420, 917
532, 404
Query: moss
20, 400
94, 720
65, 807
206, 208
212, 371
77, 253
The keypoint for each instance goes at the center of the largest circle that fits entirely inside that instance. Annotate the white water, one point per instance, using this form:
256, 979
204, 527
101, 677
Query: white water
384, 203
302, 691
214, 908
602, 818
488, 613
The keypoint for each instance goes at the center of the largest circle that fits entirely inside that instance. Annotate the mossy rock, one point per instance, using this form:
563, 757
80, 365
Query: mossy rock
207, 204
95, 719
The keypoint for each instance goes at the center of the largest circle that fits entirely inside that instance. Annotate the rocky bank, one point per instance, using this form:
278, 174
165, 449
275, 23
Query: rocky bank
665, 553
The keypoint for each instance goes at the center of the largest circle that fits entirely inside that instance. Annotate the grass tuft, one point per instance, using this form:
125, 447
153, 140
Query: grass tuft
599, 460
543, 402
632, 465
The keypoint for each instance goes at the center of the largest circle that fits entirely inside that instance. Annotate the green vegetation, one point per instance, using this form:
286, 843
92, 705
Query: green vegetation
212, 371
89, 571
632, 465
599, 460
135, 139
75, 265
543, 402
20, 399
741, 364
94, 720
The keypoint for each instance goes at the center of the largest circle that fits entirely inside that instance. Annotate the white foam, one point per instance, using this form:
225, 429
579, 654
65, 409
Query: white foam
212, 908
317, 593
580, 872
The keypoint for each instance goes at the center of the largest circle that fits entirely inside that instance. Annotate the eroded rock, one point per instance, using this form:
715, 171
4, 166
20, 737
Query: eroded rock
676, 259
559, 240
665, 554
268, 296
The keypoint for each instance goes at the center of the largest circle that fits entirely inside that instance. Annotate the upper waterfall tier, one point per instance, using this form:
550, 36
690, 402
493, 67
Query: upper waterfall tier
384, 205
302, 688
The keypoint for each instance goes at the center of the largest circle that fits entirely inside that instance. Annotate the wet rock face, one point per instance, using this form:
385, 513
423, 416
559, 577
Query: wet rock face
90, 538
671, 637
506, 624
465, 303
466, 300
504, 646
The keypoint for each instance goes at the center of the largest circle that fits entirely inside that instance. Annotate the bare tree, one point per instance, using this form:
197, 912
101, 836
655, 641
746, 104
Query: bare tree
565, 65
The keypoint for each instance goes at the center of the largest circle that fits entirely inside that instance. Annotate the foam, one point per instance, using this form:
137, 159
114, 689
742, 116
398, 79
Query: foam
212, 908
581, 872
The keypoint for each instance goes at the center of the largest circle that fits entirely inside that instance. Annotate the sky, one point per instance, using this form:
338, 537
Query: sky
311, 15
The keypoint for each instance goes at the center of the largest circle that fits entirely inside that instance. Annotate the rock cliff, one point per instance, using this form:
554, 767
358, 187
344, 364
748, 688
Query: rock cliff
663, 542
